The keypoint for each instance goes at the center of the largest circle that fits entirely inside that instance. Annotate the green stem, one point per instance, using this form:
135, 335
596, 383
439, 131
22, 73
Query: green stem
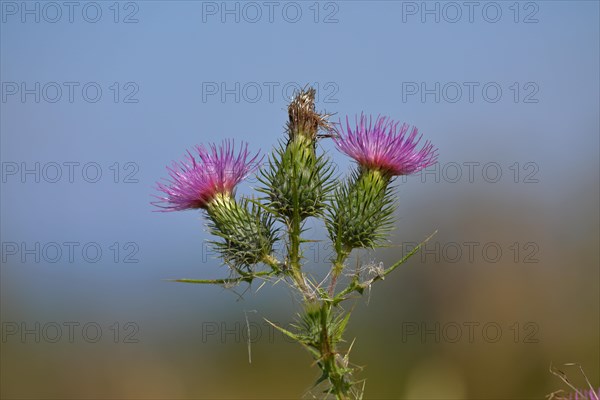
294, 253
336, 376
246, 278
295, 242
337, 268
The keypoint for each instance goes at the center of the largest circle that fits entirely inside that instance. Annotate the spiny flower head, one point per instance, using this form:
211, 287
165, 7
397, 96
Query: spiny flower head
384, 145
196, 181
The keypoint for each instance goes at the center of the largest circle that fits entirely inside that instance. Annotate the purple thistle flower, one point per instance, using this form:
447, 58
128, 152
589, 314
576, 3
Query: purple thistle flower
194, 183
384, 146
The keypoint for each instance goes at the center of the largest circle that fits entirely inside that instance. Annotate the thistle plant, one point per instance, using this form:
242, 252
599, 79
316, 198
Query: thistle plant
298, 181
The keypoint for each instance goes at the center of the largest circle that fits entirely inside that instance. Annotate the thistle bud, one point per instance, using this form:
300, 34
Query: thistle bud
296, 180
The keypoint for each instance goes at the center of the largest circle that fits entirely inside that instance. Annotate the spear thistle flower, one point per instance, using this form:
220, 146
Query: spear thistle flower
195, 183
208, 183
384, 146
362, 212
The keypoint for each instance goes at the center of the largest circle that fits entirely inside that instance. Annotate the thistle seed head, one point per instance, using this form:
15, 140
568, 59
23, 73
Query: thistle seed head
303, 119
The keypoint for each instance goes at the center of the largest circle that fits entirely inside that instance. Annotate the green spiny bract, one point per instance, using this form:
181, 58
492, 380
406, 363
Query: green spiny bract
247, 233
361, 213
297, 180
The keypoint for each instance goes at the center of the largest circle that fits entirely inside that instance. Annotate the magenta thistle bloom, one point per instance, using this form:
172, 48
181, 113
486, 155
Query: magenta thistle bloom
194, 183
384, 146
